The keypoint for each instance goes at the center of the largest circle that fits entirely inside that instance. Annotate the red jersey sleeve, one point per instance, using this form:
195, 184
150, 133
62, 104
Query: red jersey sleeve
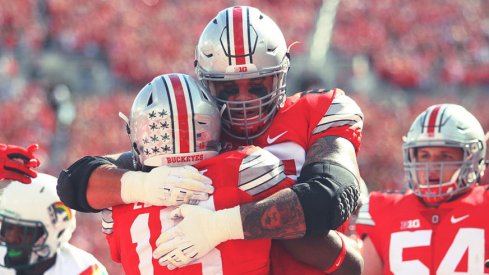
333, 113
251, 174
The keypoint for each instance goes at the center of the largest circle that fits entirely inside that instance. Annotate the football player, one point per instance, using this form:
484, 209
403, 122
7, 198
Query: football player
242, 59
35, 227
174, 122
437, 227
17, 163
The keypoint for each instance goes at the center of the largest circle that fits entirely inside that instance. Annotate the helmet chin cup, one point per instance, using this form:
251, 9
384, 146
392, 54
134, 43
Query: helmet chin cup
436, 193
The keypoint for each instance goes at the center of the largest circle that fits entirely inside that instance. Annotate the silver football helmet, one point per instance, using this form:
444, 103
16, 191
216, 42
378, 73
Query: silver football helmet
34, 223
174, 122
445, 125
243, 43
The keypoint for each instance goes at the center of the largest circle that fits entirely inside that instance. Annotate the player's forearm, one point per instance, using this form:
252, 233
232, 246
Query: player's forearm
328, 188
323, 198
353, 262
335, 149
321, 252
104, 187
73, 184
279, 216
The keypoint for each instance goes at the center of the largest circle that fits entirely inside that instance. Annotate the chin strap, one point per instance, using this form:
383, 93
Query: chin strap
223, 108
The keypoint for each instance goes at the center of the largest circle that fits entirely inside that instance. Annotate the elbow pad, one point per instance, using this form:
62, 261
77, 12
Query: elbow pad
73, 182
328, 193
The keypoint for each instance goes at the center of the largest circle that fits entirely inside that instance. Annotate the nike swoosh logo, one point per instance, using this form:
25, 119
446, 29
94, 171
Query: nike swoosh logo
272, 140
459, 219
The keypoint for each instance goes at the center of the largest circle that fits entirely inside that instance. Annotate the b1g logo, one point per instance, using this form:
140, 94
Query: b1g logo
409, 224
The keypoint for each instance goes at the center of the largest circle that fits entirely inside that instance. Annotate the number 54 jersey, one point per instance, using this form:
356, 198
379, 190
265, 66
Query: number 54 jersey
238, 177
412, 238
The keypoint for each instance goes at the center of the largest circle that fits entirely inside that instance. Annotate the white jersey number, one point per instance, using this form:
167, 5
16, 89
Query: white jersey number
140, 234
467, 239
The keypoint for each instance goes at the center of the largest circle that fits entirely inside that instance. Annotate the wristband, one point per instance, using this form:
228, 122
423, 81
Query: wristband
339, 260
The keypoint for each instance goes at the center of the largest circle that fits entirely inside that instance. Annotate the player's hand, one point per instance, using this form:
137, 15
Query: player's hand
18, 163
198, 233
166, 186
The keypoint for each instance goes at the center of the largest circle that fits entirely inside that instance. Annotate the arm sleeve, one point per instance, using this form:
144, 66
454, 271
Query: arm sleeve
328, 193
73, 182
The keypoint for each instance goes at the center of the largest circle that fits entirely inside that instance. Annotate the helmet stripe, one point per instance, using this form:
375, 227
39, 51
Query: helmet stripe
169, 96
248, 36
191, 115
180, 102
432, 120
239, 46
228, 37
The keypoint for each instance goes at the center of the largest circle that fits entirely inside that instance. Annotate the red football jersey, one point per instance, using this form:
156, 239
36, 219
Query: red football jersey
238, 177
412, 238
304, 118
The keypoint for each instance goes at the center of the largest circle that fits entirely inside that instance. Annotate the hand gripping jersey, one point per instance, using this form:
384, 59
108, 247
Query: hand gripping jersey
70, 260
304, 118
411, 238
238, 177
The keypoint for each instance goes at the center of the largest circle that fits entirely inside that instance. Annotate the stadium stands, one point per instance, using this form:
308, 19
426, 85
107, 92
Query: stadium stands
413, 45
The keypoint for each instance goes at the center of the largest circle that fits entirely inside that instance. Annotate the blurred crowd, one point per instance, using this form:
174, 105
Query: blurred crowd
417, 43
410, 44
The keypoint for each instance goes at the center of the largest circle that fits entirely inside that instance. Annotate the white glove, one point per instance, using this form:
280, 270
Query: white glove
165, 186
198, 233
